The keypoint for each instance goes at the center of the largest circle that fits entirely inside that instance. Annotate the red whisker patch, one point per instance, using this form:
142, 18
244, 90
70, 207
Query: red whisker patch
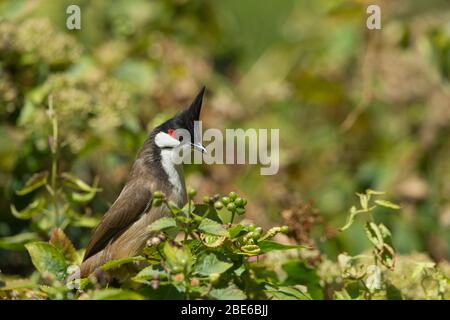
171, 132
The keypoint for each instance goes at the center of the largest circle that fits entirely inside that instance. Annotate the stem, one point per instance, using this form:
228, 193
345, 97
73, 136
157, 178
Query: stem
168, 207
187, 283
232, 217
367, 293
206, 212
54, 151
189, 207
187, 228
210, 286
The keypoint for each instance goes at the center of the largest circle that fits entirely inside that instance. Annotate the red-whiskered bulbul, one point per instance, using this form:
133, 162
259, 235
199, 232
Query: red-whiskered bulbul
123, 230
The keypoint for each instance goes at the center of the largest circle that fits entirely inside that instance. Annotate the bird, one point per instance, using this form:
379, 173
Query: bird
122, 231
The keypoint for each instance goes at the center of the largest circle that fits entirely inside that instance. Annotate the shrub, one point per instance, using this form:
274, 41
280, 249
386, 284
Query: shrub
201, 252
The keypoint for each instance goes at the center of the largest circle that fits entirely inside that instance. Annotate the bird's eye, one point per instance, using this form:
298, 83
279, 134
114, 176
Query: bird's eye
180, 139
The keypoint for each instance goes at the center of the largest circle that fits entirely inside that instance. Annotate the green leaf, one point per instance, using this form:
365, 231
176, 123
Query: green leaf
47, 259
250, 250
82, 197
230, 293
385, 233
35, 182
149, 273
85, 221
350, 218
387, 256
342, 295
185, 209
380, 237
387, 204
374, 234
18, 241
212, 241
212, 227
152, 254
115, 294
162, 223
298, 273
178, 258
208, 264
174, 208
374, 192
60, 241
75, 183
30, 211
207, 211
118, 262
239, 271
286, 293
237, 231
364, 201
267, 246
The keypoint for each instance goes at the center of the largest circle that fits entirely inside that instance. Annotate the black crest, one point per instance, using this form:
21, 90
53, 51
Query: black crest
185, 119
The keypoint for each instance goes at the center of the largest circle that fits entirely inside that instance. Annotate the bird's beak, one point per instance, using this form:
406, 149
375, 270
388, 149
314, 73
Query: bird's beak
199, 147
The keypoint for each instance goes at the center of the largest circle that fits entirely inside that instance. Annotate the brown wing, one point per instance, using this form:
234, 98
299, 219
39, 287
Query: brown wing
134, 199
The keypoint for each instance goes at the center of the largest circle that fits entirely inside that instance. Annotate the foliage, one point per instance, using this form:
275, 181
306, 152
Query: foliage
357, 109
56, 197
199, 253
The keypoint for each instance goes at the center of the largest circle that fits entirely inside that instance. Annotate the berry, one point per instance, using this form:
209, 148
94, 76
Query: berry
214, 277
206, 199
256, 235
231, 206
232, 195
239, 202
157, 202
195, 282
218, 205
192, 193
226, 200
179, 277
157, 194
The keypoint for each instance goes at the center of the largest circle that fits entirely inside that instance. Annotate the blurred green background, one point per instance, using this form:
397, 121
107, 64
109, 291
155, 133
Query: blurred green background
356, 108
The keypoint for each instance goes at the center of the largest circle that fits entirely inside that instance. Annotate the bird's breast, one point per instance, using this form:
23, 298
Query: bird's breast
176, 178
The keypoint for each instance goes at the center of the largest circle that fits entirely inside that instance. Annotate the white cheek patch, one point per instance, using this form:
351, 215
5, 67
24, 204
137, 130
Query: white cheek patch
164, 140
